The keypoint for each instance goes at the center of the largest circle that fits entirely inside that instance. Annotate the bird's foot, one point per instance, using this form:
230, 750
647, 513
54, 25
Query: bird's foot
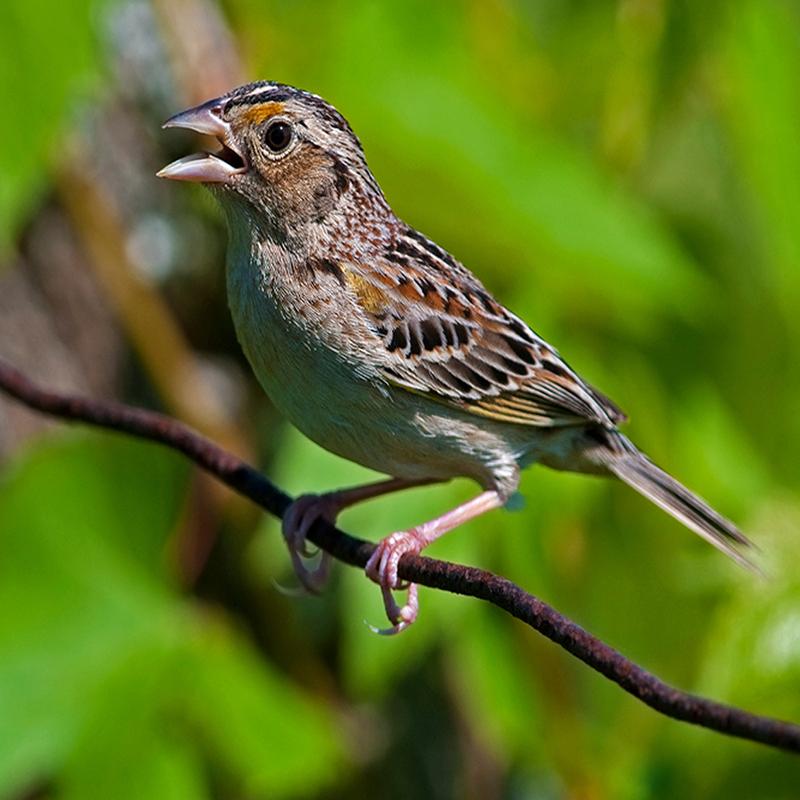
296, 523
382, 568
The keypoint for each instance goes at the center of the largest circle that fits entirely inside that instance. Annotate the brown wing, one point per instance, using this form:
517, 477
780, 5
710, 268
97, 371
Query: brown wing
449, 339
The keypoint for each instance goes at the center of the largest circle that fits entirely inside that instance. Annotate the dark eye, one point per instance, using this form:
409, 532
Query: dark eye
278, 136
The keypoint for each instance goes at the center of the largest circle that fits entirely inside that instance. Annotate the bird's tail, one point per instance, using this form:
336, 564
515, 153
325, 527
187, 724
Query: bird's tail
622, 458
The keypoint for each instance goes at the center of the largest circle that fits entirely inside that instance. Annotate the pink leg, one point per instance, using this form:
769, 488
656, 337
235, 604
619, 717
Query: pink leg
308, 508
382, 565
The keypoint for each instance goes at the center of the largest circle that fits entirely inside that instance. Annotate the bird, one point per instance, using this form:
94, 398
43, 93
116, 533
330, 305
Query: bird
383, 348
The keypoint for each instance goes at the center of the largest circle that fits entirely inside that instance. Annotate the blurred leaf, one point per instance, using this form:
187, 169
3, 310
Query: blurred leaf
80, 599
496, 689
754, 648
131, 744
763, 102
729, 467
47, 54
98, 642
752, 660
273, 739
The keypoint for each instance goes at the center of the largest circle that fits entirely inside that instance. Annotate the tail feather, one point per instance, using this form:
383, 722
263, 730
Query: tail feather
623, 459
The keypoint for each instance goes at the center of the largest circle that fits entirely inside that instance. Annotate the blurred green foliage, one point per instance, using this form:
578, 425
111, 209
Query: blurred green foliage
626, 176
107, 676
48, 55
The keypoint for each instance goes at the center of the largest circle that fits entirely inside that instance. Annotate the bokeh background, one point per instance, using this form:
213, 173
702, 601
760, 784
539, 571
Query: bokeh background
625, 174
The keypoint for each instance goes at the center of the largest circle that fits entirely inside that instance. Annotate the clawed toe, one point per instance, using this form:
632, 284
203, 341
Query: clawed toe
312, 580
289, 591
401, 617
296, 523
382, 568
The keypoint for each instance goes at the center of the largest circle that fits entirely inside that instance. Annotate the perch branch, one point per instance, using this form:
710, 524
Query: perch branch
427, 571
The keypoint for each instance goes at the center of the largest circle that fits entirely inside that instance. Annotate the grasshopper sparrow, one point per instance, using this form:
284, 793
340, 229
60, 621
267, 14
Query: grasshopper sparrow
383, 348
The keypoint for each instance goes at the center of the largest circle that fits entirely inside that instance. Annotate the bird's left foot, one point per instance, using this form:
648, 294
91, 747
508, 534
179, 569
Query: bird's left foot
382, 568
307, 509
296, 524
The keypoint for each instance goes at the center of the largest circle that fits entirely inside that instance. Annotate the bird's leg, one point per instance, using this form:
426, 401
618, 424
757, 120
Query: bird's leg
382, 565
308, 508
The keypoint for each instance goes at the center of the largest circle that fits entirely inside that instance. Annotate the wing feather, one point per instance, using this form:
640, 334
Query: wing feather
444, 336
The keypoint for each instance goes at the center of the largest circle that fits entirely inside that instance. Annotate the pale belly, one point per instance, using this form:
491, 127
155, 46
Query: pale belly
365, 421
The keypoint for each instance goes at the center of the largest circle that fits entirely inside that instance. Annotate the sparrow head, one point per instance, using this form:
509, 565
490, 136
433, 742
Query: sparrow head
285, 152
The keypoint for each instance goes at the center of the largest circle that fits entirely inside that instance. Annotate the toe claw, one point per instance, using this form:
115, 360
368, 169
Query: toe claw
306, 551
383, 564
382, 568
297, 521
313, 580
289, 591
398, 627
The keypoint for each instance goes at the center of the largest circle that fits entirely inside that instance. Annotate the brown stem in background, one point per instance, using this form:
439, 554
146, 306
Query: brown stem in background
455, 578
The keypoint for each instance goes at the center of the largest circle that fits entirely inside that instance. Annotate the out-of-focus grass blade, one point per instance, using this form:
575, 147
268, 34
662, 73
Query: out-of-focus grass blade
45, 58
762, 62
752, 660
102, 663
271, 739
133, 742
75, 597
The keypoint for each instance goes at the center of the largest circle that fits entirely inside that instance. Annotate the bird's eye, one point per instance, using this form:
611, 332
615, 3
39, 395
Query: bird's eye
278, 136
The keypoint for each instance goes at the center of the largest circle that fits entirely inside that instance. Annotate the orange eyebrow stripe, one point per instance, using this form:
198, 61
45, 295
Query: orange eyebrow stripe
260, 112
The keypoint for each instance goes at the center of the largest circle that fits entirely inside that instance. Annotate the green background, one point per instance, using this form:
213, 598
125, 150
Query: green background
626, 177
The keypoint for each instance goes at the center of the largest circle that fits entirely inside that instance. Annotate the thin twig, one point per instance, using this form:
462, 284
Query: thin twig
427, 571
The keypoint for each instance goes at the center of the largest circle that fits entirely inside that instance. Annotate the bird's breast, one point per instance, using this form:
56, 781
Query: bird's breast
304, 341
309, 346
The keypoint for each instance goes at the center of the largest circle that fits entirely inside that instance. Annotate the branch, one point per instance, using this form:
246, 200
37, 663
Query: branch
426, 571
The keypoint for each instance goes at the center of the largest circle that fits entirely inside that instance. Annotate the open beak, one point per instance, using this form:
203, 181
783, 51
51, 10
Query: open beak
219, 167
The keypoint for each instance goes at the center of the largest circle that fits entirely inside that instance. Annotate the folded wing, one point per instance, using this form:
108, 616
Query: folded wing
446, 337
